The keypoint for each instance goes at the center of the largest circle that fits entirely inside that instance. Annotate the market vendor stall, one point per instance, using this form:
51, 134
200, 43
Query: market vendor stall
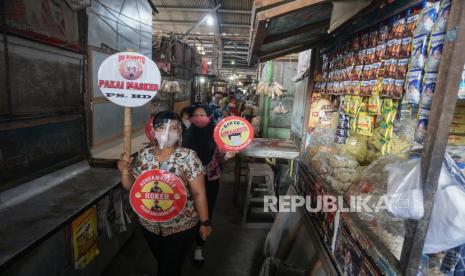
384, 115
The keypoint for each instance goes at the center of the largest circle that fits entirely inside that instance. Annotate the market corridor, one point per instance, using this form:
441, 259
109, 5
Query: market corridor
230, 251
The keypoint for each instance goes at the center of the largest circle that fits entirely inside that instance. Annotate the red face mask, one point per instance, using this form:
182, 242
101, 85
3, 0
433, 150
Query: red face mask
200, 121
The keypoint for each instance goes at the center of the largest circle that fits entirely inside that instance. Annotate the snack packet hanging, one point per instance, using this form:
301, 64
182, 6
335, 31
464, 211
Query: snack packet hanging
435, 52
365, 124
406, 47
428, 17
373, 41
355, 43
393, 48
390, 67
429, 86
443, 17
413, 86
370, 55
381, 51
365, 40
398, 89
411, 24
402, 68
374, 105
419, 50
383, 34
359, 58
388, 87
397, 29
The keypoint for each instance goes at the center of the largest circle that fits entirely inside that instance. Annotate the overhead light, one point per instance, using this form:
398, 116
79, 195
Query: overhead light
231, 77
233, 62
209, 20
202, 79
209, 62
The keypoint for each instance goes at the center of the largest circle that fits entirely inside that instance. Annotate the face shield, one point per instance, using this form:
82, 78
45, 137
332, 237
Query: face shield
167, 133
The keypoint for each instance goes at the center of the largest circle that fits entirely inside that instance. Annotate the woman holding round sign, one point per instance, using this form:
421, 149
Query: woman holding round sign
167, 191
202, 140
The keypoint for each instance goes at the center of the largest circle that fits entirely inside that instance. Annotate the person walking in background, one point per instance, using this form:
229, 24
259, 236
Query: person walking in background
201, 141
186, 114
171, 241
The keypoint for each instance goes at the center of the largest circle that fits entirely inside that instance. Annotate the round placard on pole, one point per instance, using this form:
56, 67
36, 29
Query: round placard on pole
233, 133
128, 79
158, 196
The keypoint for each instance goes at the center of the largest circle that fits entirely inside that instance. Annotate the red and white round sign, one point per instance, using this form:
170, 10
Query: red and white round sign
129, 79
233, 133
158, 195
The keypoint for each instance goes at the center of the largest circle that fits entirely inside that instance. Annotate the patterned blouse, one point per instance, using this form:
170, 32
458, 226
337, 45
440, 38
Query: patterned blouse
185, 164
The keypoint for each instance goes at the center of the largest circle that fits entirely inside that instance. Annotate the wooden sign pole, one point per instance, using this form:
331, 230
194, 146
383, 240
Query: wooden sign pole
127, 130
127, 133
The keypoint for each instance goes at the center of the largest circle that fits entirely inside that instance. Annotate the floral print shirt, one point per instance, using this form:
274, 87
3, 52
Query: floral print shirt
185, 164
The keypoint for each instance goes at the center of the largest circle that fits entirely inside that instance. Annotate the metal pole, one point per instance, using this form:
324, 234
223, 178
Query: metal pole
444, 101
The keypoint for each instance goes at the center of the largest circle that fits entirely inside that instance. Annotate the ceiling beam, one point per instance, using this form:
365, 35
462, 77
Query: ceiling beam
184, 9
231, 25
188, 22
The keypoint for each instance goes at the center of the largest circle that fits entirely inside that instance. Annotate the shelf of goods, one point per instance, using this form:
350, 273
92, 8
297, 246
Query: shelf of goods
371, 109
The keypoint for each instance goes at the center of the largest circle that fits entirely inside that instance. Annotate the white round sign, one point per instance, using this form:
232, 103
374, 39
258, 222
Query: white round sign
129, 79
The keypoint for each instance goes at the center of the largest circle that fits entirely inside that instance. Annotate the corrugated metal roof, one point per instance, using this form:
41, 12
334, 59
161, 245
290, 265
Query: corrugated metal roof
235, 18
205, 4
236, 4
175, 12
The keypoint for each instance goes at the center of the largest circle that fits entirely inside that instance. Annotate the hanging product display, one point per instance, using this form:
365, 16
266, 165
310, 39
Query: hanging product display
384, 81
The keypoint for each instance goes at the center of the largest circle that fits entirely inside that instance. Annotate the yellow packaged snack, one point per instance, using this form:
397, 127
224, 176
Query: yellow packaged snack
374, 105
365, 124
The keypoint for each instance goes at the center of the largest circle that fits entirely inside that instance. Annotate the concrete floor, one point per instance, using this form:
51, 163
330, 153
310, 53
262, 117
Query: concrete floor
229, 251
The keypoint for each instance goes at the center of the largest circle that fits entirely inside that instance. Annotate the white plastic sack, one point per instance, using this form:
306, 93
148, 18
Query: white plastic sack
447, 225
404, 197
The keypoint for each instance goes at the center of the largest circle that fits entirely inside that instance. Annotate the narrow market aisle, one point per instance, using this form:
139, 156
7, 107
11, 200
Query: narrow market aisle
230, 251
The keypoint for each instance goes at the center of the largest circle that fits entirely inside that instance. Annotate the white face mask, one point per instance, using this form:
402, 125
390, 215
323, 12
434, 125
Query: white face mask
166, 139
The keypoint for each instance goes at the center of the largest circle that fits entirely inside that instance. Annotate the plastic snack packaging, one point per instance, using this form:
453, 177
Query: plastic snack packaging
402, 67
365, 40
360, 57
365, 124
373, 39
387, 82
420, 132
393, 47
398, 89
380, 51
397, 29
357, 72
374, 70
370, 55
419, 51
427, 19
366, 71
383, 34
364, 90
413, 86
355, 43
429, 85
390, 67
435, 52
411, 24
406, 47
443, 16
